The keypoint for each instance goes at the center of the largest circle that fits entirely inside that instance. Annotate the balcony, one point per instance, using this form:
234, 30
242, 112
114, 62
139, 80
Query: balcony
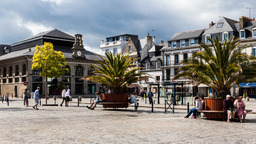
109, 44
173, 63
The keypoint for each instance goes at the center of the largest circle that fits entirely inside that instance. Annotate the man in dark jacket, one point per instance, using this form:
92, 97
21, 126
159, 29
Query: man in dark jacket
228, 107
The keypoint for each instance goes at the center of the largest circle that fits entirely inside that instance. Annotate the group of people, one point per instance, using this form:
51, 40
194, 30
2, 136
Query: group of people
238, 107
66, 97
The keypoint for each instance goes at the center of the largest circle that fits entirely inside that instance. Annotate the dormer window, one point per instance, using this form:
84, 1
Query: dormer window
183, 43
192, 41
242, 34
254, 32
206, 38
225, 36
174, 44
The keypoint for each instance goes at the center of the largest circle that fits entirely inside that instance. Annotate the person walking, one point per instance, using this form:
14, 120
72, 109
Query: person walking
67, 95
150, 96
25, 95
63, 94
36, 98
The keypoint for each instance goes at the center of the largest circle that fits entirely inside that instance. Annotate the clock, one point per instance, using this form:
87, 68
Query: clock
79, 53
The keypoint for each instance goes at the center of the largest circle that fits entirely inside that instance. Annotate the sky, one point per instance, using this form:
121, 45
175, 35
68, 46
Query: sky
98, 19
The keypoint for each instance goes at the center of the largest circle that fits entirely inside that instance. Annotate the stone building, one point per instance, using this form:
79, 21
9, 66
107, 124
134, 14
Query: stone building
16, 62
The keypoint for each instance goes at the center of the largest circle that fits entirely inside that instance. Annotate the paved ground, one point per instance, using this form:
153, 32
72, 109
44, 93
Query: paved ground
19, 124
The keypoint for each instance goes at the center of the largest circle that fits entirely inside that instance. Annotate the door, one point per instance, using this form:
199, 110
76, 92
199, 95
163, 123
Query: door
16, 91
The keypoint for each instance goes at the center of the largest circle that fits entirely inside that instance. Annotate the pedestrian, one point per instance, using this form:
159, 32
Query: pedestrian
228, 108
25, 95
240, 108
63, 94
36, 98
133, 99
150, 96
67, 95
198, 106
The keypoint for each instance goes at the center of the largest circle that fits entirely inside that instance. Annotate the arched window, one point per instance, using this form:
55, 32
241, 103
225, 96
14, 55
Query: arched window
68, 73
79, 71
24, 69
17, 70
90, 71
10, 71
4, 74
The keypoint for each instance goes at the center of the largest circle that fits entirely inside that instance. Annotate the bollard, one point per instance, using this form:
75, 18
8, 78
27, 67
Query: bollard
188, 107
7, 100
152, 103
79, 99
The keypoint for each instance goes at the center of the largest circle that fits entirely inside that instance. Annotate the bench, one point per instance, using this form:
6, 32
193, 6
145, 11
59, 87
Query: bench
116, 104
208, 113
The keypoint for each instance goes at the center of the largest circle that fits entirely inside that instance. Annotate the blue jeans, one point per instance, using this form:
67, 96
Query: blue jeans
193, 110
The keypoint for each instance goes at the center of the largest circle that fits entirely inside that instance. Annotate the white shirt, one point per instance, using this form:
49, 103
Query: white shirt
199, 104
133, 99
67, 93
63, 94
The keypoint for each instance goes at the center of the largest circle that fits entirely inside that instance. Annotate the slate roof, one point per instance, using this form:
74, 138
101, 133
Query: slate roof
55, 33
228, 25
187, 34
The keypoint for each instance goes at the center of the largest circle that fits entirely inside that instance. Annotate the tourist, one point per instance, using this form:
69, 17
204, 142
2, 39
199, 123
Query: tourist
36, 98
198, 106
25, 95
63, 94
67, 95
133, 99
150, 96
228, 108
97, 100
240, 108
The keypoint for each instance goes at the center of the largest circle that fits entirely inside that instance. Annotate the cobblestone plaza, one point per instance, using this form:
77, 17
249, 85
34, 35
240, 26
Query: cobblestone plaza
19, 124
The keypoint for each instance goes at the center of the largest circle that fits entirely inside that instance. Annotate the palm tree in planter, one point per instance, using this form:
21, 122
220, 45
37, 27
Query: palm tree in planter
114, 71
219, 66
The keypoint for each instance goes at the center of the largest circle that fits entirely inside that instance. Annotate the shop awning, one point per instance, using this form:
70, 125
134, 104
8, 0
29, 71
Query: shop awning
248, 85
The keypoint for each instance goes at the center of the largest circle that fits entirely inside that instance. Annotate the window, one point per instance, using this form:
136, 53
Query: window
157, 78
36, 72
219, 25
79, 71
23, 79
90, 71
17, 79
37, 79
4, 80
10, 80
254, 51
225, 36
185, 56
176, 71
242, 34
4, 74
66, 79
130, 48
183, 43
148, 65
158, 65
168, 74
10, 71
167, 60
254, 32
176, 59
192, 41
24, 69
17, 70
115, 51
174, 44
207, 37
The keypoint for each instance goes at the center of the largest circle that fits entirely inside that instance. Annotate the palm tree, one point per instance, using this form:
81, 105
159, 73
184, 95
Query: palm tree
219, 66
115, 72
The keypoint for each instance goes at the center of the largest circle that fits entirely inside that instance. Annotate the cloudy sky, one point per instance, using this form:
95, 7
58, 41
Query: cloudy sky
97, 19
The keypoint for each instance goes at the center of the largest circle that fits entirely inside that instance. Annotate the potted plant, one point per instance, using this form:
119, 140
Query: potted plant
219, 66
115, 71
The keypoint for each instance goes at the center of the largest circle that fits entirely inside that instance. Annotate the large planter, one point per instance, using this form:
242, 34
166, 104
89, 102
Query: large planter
119, 98
215, 104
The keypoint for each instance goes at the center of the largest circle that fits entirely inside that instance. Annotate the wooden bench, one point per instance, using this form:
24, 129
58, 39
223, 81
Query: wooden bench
208, 113
115, 104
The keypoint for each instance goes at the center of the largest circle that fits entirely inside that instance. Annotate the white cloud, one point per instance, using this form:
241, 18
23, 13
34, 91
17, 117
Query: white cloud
36, 28
94, 50
57, 2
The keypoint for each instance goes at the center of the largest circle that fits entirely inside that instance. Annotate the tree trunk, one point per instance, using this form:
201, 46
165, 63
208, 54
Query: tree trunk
46, 90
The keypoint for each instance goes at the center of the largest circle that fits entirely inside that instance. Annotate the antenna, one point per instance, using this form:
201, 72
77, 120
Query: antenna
249, 8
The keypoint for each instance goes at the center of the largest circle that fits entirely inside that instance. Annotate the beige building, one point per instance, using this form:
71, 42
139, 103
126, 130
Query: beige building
16, 62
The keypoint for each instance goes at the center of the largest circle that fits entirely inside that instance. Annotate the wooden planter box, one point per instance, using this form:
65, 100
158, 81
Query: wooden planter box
121, 98
215, 104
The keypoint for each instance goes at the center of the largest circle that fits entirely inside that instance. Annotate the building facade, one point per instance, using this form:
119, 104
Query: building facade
16, 62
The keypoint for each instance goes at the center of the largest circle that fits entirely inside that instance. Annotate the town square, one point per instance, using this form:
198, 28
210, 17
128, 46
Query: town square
130, 71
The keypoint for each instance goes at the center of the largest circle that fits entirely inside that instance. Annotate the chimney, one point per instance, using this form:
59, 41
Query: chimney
211, 24
243, 20
154, 39
102, 41
162, 42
